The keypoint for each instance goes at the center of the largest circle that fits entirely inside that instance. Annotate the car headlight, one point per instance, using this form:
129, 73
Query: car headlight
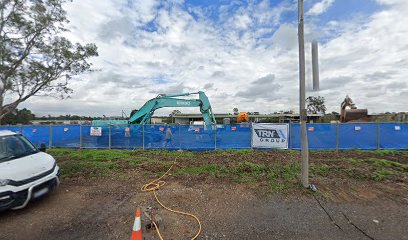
4, 182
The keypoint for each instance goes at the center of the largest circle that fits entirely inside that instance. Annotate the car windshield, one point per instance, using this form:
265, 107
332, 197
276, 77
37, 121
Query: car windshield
15, 146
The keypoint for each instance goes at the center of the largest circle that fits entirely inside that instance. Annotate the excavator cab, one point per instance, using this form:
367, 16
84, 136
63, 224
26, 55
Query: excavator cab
349, 112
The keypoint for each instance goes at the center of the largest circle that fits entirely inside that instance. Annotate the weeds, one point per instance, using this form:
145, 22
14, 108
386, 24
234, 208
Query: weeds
386, 163
319, 170
100, 155
353, 160
279, 175
381, 175
212, 169
60, 151
283, 177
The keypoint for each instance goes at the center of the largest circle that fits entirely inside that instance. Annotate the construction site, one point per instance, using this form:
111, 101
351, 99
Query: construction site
200, 180
308, 173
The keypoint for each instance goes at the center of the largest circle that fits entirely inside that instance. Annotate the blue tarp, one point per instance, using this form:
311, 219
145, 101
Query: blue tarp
320, 136
393, 136
360, 136
66, 136
234, 136
37, 134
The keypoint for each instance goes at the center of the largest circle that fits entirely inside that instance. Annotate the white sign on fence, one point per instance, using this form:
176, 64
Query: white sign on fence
96, 131
270, 135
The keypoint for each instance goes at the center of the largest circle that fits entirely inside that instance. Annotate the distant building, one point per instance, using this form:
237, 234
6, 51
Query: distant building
280, 118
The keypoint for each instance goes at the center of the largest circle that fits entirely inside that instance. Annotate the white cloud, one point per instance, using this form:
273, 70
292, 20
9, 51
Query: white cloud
320, 7
145, 50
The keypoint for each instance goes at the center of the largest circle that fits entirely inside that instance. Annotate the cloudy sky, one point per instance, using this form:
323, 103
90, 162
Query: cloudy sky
241, 53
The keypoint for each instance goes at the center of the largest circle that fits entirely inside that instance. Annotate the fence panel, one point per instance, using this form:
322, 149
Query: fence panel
37, 134
393, 136
127, 136
294, 140
358, 135
196, 138
11, 128
89, 141
321, 136
155, 137
233, 136
66, 136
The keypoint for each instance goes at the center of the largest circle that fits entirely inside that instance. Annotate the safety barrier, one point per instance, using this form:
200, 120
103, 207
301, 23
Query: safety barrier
320, 136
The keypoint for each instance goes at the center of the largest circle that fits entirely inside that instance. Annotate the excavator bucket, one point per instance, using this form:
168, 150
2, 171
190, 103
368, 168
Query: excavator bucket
360, 115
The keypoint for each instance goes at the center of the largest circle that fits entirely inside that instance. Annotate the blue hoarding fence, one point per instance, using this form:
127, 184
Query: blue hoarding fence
188, 137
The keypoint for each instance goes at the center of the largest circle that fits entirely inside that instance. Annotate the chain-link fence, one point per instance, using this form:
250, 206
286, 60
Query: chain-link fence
188, 137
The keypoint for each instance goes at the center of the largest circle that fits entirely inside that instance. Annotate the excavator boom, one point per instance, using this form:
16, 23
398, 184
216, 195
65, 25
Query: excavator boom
144, 114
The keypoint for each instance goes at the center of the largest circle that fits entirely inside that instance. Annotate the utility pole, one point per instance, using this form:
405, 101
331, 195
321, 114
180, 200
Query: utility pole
302, 97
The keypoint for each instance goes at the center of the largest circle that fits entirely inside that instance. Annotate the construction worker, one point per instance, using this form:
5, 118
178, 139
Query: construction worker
168, 137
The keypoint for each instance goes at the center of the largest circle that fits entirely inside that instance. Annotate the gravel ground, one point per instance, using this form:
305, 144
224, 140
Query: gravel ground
104, 209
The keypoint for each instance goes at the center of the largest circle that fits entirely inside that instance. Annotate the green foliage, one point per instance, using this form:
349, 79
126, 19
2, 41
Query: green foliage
250, 167
378, 163
170, 153
381, 175
283, 177
89, 168
213, 169
98, 154
35, 59
386, 152
23, 116
233, 165
386, 163
57, 152
353, 160
319, 169
316, 104
237, 151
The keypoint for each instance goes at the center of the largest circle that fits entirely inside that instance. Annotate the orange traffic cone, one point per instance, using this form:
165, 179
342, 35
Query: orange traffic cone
137, 227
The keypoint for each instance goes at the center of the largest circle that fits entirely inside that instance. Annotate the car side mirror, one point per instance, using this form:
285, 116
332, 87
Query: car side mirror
43, 148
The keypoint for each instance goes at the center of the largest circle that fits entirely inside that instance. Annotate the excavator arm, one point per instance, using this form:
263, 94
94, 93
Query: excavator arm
144, 114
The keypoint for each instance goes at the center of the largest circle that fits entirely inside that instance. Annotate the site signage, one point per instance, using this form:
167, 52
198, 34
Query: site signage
96, 131
270, 135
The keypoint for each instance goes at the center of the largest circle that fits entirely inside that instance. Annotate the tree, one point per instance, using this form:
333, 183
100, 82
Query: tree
175, 112
23, 116
35, 59
315, 104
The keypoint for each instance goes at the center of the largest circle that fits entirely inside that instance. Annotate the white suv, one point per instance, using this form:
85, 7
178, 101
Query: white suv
26, 172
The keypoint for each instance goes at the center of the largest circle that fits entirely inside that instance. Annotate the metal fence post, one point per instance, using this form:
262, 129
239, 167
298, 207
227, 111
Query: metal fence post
290, 134
50, 137
143, 138
215, 137
80, 135
378, 135
110, 137
251, 134
179, 135
337, 137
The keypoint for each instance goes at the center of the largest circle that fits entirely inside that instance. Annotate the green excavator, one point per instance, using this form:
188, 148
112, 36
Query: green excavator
145, 113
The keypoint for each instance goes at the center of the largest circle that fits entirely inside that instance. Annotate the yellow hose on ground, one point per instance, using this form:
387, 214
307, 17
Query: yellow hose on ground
155, 185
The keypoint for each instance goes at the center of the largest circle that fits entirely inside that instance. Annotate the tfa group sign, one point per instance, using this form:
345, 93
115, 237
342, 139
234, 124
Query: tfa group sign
269, 135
